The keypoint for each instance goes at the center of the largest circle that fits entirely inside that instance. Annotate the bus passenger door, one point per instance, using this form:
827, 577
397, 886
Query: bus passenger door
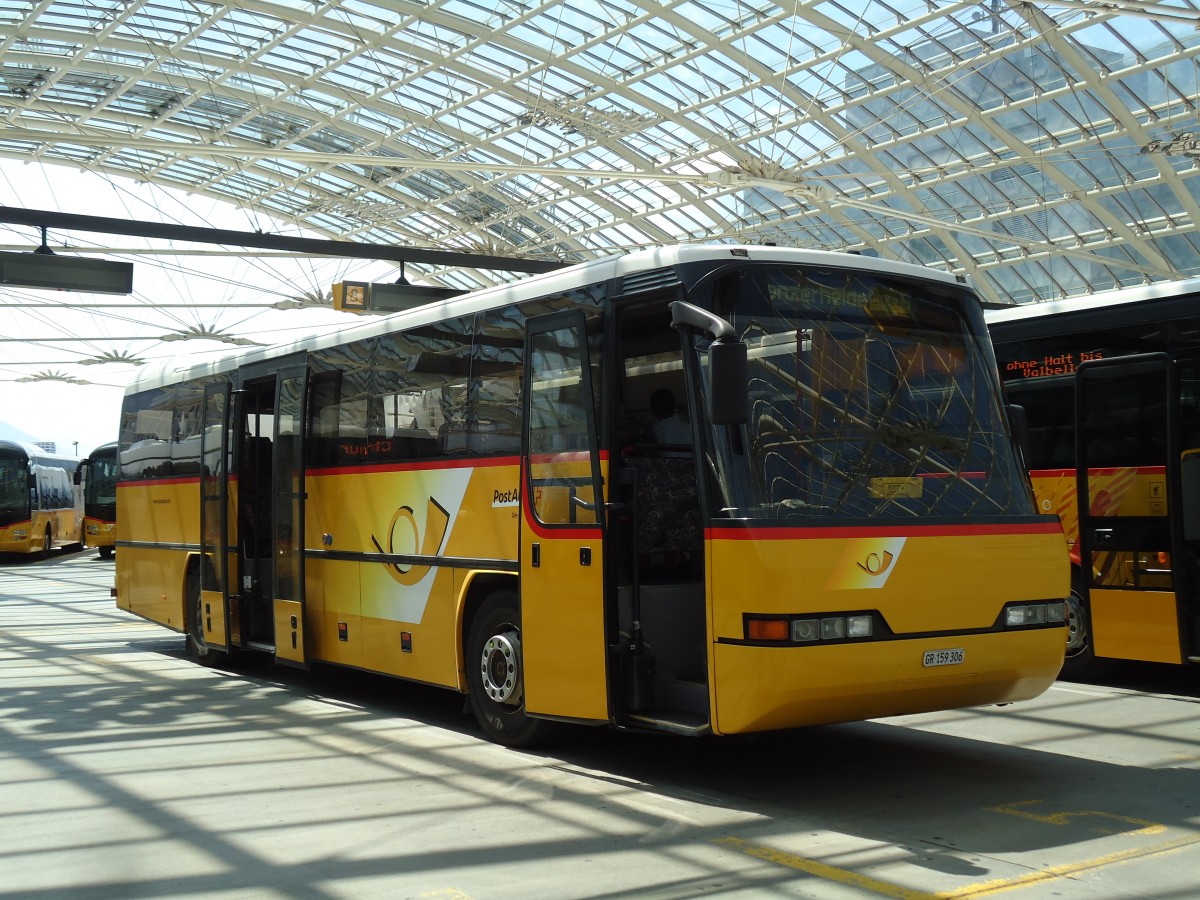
287, 515
213, 622
561, 533
1129, 515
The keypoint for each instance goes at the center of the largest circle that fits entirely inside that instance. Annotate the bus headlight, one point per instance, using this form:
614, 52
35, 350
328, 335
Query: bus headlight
859, 626
829, 628
1019, 615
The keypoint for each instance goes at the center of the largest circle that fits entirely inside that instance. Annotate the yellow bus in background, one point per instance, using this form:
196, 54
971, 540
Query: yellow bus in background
97, 475
40, 508
1110, 387
474, 494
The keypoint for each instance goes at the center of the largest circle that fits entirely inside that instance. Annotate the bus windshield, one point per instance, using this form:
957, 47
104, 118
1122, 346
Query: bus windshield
101, 487
870, 397
14, 490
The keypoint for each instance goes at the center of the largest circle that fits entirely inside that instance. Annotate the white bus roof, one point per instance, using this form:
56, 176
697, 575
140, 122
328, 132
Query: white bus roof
179, 368
1139, 294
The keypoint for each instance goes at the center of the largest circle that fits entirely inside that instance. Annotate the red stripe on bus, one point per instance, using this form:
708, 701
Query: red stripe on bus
417, 466
150, 482
792, 533
1106, 470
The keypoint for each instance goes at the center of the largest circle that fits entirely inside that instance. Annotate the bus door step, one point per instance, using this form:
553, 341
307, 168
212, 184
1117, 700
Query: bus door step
688, 696
259, 645
672, 720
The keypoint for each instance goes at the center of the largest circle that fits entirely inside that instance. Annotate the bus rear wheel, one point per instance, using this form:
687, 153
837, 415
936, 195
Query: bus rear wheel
495, 678
197, 647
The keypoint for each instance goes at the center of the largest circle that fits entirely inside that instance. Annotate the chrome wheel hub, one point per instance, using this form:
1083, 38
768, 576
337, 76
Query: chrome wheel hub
1076, 629
501, 667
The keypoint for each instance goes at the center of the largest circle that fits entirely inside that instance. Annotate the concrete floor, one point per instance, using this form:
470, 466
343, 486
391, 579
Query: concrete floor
128, 771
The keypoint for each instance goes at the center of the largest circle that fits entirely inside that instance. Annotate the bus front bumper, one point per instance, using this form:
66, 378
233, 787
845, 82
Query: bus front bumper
760, 688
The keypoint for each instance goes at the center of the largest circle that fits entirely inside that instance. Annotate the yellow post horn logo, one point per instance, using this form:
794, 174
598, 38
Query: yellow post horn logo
437, 520
875, 564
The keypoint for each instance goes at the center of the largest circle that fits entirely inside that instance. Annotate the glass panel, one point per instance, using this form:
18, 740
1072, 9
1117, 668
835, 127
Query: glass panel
494, 414
340, 404
289, 489
213, 486
419, 399
560, 464
14, 489
147, 423
100, 490
1123, 430
1124, 424
1050, 410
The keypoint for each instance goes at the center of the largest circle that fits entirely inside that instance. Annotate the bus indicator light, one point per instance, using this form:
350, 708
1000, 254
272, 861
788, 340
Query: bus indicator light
767, 629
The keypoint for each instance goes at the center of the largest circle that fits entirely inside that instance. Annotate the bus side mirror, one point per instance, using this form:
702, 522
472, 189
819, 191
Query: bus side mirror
32, 481
728, 383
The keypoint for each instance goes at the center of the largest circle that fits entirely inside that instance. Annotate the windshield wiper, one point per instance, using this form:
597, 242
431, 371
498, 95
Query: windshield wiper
913, 436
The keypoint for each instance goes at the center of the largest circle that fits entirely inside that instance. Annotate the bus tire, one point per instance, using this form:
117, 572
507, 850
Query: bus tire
47, 544
197, 648
106, 552
495, 681
1081, 656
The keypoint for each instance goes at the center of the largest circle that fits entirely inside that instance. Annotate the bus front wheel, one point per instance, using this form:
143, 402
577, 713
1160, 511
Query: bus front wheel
495, 679
1081, 657
47, 543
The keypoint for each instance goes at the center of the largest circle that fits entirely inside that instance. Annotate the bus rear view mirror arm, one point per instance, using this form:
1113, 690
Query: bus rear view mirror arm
728, 374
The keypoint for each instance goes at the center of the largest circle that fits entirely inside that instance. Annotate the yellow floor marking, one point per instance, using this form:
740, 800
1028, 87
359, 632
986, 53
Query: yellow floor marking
1052, 873
969, 892
1064, 818
824, 870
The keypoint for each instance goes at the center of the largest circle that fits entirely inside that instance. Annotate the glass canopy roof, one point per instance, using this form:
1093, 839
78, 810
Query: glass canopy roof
1045, 150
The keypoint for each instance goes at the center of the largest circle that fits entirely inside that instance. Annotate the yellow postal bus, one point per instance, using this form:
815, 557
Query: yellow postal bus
40, 507
97, 475
473, 494
1110, 386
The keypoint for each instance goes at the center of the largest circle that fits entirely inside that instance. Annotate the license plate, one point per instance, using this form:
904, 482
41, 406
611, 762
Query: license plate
944, 657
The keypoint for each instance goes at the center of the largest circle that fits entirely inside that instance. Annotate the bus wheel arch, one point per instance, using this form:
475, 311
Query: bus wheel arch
495, 683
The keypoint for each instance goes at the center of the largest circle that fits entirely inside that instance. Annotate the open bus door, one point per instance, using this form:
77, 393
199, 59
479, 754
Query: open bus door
1130, 522
562, 530
287, 515
209, 625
